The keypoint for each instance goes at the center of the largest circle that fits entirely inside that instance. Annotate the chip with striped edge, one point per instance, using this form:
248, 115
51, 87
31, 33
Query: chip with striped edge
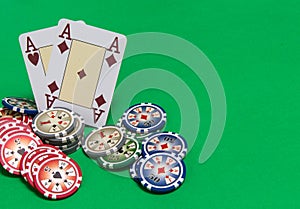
66, 146
12, 147
21, 105
11, 124
72, 149
165, 142
72, 137
31, 158
57, 177
134, 170
7, 113
144, 118
128, 133
161, 172
103, 141
124, 157
54, 123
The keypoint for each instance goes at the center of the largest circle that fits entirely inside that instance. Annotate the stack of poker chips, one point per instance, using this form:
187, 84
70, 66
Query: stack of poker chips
59, 127
46, 168
161, 169
118, 147
51, 172
110, 148
154, 158
19, 108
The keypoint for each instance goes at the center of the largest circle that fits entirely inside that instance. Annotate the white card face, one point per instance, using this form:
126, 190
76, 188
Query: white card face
36, 48
83, 70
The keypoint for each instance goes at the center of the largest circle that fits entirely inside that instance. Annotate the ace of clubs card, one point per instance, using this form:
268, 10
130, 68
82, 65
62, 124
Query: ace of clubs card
83, 70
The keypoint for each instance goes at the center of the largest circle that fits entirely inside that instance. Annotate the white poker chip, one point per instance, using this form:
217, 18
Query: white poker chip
70, 138
54, 123
103, 141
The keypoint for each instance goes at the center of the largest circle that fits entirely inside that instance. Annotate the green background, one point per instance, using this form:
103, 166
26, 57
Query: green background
254, 46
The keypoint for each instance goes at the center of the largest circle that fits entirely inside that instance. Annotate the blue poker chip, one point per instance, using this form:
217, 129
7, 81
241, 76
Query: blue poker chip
144, 118
21, 105
165, 142
161, 172
127, 133
134, 170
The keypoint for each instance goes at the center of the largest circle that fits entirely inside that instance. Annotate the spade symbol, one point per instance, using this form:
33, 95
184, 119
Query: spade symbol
21, 151
121, 150
57, 175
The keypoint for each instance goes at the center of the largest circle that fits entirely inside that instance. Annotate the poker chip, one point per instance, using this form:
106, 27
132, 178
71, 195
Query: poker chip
103, 141
144, 118
165, 142
68, 141
57, 177
134, 169
13, 145
71, 137
7, 113
32, 157
125, 156
11, 124
54, 123
161, 172
72, 149
66, 146
127, 133
21, 105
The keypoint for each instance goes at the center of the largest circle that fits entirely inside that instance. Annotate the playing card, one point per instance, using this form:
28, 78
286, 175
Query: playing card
36, 48
83, 70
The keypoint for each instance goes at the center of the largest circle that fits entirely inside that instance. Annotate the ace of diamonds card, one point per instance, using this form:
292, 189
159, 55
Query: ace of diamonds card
83, 70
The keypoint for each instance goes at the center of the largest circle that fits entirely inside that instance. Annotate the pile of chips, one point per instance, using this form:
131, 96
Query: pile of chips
44, 167
34, 144
161, 169
50, 171
60, 127
154, 157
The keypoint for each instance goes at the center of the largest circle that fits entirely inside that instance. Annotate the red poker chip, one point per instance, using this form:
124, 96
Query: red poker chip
58, 177
31, 158
12, 147
27, 119
7, 113
11, 124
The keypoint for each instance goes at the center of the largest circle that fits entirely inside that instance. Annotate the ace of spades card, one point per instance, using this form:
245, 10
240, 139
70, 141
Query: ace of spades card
83, 70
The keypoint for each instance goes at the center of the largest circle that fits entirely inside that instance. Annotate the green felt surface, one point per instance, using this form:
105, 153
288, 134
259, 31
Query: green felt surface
254, 48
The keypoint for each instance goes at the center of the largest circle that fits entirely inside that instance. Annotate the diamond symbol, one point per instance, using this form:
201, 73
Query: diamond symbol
81, 74
53, 87
164, 146
111, 60
144, 117
161, 170
100, 100
63, 47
